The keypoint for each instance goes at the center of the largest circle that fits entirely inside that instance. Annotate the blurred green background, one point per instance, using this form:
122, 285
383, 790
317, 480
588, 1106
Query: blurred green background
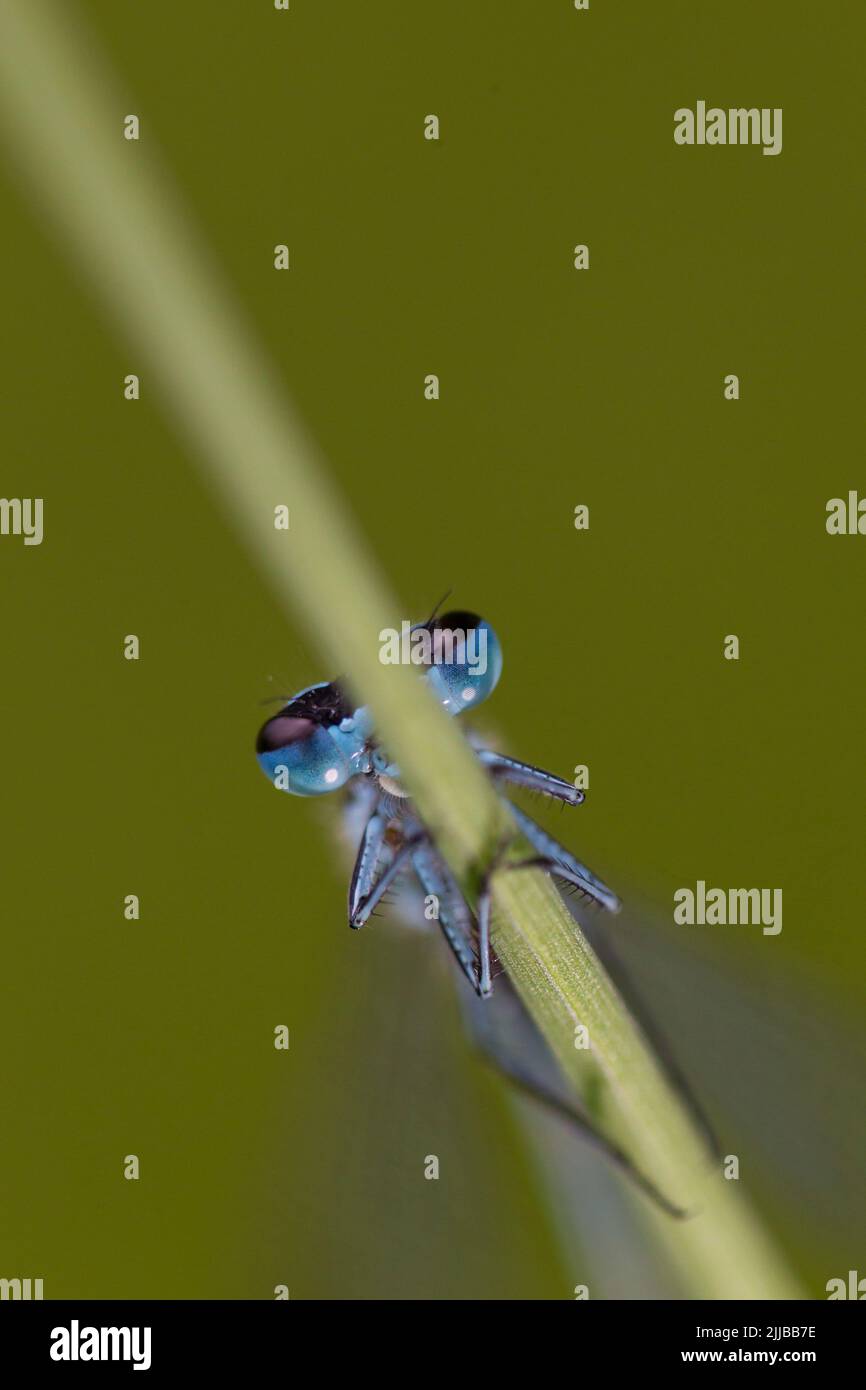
707, 517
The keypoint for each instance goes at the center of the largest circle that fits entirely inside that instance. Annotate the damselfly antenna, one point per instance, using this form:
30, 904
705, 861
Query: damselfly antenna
437, 606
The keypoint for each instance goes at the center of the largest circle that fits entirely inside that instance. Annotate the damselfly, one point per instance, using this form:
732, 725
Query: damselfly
321, 741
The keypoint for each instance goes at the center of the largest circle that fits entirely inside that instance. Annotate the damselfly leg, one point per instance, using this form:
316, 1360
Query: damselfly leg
455, 917
364, 872
525, 775
560, 862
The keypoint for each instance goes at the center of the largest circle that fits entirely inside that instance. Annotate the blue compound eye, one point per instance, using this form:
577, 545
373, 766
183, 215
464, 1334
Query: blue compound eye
465, 660
300, 756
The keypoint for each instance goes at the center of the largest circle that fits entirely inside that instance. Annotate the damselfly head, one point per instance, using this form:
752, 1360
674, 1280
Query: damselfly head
319, 739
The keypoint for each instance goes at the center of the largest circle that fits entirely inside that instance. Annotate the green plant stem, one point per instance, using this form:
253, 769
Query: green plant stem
720, 1250
118, 216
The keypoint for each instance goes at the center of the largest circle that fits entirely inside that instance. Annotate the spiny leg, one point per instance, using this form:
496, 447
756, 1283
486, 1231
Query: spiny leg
553, 857
367, 904
455, 917
364, 872
525, 775
558, 860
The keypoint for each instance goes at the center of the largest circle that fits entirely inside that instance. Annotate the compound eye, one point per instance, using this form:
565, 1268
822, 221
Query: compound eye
300, 756
450, 634
282, 732
465, 659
